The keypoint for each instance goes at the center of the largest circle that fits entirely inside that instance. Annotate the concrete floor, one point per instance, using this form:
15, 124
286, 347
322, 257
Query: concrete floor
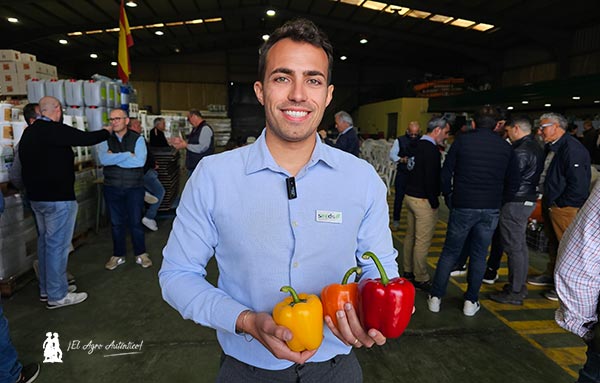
500, 344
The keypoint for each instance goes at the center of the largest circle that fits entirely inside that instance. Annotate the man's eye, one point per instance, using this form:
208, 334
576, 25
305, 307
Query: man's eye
280, 79
314, 81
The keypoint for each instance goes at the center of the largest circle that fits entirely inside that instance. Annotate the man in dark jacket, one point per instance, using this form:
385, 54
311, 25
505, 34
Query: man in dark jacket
479, 173
347, 136
46, 155
200, 142
515, 213
422, 202
566, 188
400, 153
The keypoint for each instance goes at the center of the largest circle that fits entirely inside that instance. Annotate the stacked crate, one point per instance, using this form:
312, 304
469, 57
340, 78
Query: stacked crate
168, 174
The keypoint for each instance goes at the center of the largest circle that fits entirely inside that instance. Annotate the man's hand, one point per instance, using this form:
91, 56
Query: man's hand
351, 332
323, 134
109, 128
264, 329
178, 143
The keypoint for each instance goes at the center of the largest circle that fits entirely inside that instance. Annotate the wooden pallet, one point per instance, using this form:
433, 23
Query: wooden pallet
11, 285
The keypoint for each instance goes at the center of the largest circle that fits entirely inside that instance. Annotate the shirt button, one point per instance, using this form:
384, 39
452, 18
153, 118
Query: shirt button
295, 265
294, 223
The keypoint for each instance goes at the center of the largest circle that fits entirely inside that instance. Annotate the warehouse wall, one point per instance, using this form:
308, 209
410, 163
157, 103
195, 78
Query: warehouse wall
373, 118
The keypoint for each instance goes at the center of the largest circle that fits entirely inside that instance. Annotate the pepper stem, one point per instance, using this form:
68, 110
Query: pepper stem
356, 270
295, 298
384, 278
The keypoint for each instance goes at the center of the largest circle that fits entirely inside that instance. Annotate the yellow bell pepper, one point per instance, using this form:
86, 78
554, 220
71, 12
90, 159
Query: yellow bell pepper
302, 314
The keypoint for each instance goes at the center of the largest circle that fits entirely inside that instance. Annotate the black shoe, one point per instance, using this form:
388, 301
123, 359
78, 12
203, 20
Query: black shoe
507, 288
458, 271
29, 373
425, 286
490, 276
410, 276
508, 297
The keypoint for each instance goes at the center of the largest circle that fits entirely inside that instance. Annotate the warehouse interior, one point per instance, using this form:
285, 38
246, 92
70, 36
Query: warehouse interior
395, 61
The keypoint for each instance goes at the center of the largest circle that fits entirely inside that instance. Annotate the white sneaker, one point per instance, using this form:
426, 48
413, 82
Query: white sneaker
471, 308
149, 198
70, 299
143, 260
150, 223
70, 289
434, 304
114, 262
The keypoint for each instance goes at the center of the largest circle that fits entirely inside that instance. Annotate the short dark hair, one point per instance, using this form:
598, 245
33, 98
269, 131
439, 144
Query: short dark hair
195, 112
299, 30
29, 111
486, 118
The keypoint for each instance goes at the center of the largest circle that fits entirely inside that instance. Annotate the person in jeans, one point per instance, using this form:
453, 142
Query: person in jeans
478, 174
577, 277
123, 157
46, 155
422, 202
566, 187
515, 213
152, 185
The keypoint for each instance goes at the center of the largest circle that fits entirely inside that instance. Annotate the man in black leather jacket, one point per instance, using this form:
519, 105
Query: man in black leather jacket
515, 213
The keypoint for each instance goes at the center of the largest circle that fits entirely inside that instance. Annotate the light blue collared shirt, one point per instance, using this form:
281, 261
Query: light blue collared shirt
235, 206
123, 159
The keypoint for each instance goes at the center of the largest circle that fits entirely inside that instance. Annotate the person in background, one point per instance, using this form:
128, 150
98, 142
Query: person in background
400, 153
590, 139
152, 184
515, 213
47, 159
577, 277
157, 134
479, 173
566, 187
11, 370
200, 142
226, 211
31, 112
123, 157
347, 139
422, 202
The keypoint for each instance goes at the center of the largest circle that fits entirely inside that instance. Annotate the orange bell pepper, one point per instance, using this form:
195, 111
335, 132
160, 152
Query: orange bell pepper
302, 314
336, 295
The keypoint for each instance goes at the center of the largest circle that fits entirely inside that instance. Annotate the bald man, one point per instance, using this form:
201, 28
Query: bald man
47, 158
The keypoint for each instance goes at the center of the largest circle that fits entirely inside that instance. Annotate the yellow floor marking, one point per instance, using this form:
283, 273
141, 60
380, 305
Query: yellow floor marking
565, 357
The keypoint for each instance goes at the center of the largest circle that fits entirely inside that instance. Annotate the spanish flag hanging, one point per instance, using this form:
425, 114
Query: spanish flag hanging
125, 41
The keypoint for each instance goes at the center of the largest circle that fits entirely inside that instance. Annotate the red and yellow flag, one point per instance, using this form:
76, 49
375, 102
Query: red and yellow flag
125, 41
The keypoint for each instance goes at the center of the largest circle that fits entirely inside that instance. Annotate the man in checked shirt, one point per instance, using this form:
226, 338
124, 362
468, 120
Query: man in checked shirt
577, 278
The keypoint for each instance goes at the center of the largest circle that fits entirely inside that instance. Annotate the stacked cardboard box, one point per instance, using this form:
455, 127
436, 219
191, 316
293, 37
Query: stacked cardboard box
16, 68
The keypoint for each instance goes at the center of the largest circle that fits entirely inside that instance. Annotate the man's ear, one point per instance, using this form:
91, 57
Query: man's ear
258, 90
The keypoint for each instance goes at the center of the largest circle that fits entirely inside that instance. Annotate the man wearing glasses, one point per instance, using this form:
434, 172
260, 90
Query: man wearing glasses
123, 156
565, 188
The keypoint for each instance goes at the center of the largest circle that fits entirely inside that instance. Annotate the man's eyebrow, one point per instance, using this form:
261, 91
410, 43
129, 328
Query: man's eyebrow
290, 71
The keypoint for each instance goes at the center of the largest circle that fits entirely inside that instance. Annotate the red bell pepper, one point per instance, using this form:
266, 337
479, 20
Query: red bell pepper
335, 296
385, 305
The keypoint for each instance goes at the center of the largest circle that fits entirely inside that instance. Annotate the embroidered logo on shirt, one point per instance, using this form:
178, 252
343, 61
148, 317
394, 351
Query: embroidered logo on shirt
329, 216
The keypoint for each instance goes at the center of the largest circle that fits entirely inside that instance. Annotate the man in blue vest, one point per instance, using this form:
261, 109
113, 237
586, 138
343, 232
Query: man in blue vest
200, 142
123, 156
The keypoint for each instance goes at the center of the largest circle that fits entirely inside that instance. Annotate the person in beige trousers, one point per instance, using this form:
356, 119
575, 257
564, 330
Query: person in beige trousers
421, 199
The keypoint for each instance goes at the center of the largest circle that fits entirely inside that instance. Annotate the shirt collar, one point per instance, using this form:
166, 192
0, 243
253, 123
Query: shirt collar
428, 138
347, 130
260, 158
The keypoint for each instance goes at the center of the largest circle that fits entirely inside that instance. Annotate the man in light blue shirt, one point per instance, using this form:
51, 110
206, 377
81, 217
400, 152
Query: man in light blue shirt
123, 156
240, 207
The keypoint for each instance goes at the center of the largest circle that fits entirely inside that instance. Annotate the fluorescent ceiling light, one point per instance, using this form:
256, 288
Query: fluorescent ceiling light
195, 21
576, 98
374, 5
271, 12
525, 102
343, 58
157, 25
113, 63
93, 55
596, 101
462, 23
94, 32
131, 4
12, 20
351, 2
363, 41
213, 20
75, 34
510, 108
174, 24
441, 18
159, 33
265, 37
63, 41
418, 14
547, 105
481, 27
112, 30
